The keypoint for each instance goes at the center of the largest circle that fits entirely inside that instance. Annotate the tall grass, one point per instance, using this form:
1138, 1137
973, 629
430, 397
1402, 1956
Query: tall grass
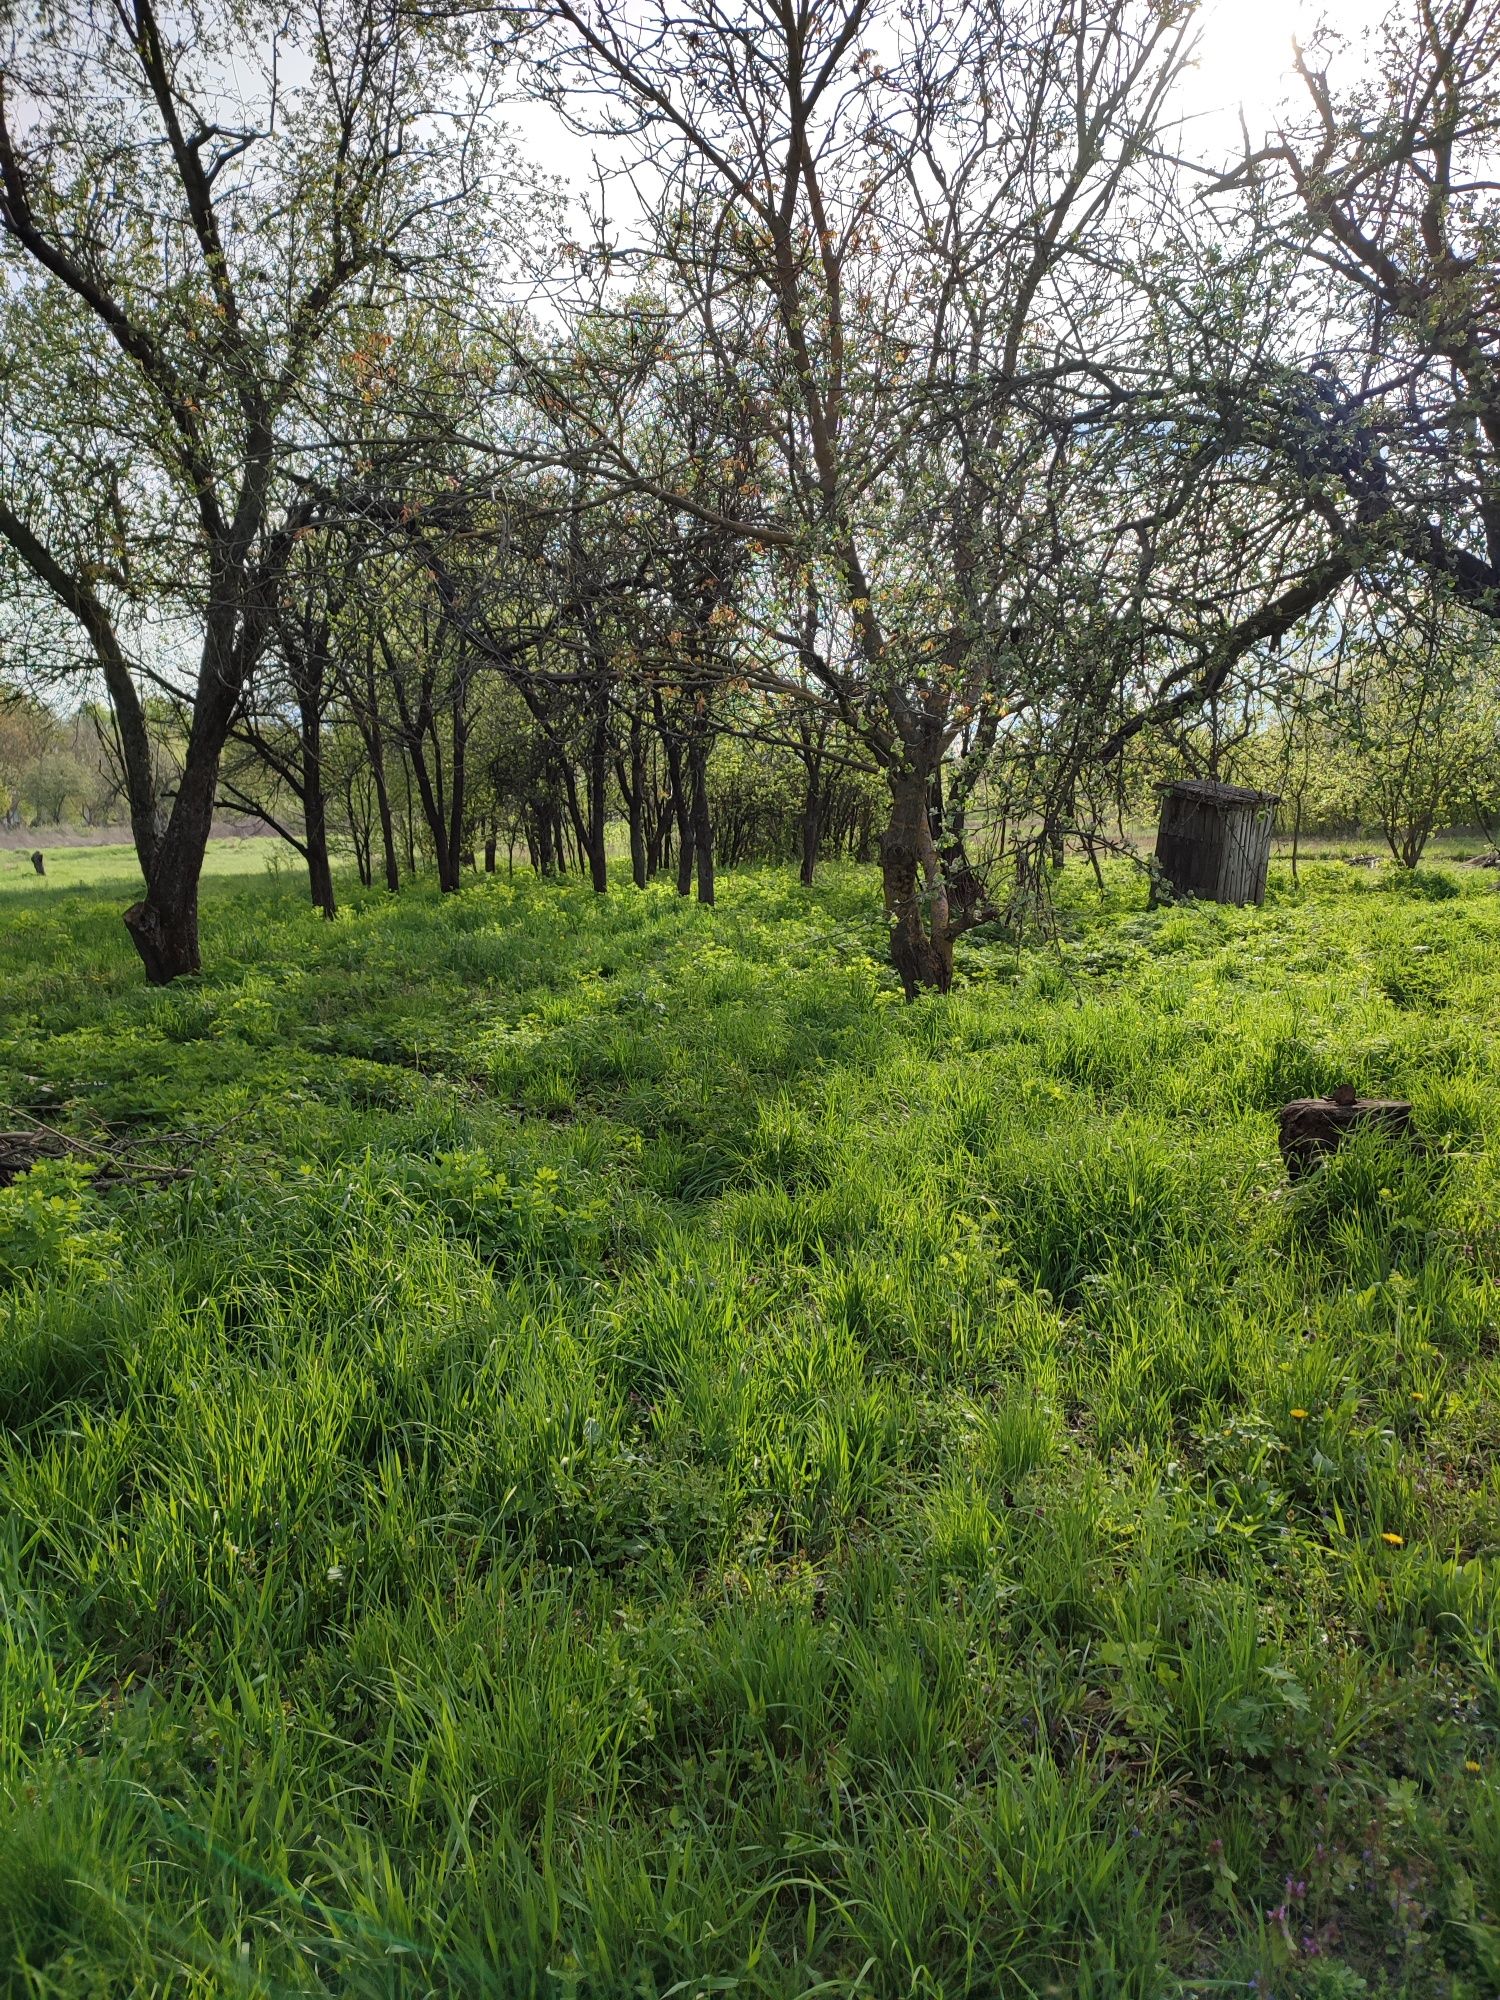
637, 1464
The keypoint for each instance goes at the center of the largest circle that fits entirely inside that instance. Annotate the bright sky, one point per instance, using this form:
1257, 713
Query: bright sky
1245, 58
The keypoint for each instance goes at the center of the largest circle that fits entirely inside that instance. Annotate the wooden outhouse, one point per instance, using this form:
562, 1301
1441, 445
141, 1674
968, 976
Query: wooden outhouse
1214, 840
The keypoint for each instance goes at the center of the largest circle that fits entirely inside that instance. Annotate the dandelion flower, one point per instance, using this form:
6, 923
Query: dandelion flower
1299, 1414
1471, 1764
1395, 1541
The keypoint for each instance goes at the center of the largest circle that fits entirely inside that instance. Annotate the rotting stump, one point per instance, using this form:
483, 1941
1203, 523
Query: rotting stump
1313, 1127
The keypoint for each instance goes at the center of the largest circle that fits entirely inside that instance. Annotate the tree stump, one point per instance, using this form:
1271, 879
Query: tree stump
1312, 1127
38, 863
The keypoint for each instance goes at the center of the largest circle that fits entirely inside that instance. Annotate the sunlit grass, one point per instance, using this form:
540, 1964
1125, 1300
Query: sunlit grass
638, 1464
112, 866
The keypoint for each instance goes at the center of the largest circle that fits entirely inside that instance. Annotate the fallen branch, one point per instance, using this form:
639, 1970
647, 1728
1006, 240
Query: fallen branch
116, 1165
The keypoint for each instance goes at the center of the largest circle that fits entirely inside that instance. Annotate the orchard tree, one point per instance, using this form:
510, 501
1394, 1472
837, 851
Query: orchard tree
198, 211
280, 738
888, 238
1385, 188
1421, 715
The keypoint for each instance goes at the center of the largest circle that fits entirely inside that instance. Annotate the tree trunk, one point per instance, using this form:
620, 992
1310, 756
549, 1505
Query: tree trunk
360, 833
682, 815
164, 924
445, 838
916, 901
489, 855
309, 680
635, 801
703, 836
458, 854
864, 842
684, 851
598, 782
387, 829
575, 826
375, 745
164, 930
319, 872
432, 812
812, 826
146, 813
410, 824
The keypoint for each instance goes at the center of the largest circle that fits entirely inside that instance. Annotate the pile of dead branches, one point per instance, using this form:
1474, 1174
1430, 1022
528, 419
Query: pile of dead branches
142, 1161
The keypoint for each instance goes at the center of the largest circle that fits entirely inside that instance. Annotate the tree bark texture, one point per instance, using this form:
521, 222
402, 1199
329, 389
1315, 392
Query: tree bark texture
916, 898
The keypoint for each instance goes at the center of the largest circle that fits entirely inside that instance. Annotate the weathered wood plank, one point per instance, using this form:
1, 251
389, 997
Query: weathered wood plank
1214, 841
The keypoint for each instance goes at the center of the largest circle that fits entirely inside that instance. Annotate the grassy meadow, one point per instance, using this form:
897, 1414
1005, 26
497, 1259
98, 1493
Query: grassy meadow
629, 1462
112, 865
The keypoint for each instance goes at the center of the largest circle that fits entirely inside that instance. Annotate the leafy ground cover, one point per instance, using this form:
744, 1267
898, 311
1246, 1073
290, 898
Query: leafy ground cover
635, 1463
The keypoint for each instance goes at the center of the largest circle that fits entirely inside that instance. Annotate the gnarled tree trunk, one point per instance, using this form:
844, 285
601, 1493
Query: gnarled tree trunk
916, 898
164, 924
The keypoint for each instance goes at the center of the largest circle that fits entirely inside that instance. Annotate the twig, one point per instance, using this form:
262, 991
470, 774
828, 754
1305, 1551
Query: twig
117, 1165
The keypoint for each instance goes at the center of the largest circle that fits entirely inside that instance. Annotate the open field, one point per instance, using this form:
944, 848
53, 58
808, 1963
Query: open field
113, 866
635, 1464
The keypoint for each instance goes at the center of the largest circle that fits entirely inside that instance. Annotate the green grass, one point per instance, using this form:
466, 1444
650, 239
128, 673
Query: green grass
636, 1464
115, 868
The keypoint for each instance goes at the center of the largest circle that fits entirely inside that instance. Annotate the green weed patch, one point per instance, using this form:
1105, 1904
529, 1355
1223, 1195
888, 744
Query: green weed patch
634, 1463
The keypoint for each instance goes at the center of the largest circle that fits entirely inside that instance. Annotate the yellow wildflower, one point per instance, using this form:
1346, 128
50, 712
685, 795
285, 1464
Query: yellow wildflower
1396, 1541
